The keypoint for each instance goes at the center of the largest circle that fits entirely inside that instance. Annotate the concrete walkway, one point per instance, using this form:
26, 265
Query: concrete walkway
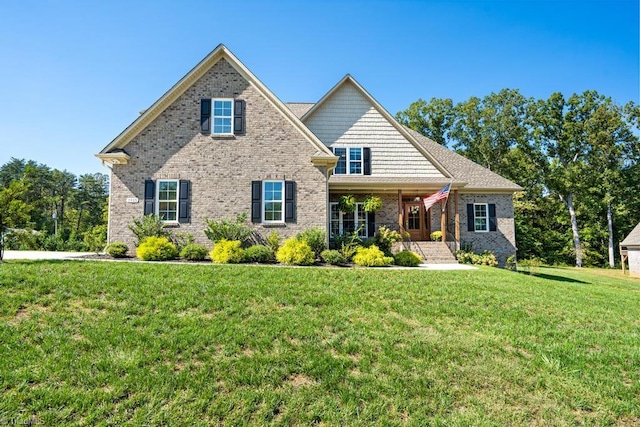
43, 255
39, 255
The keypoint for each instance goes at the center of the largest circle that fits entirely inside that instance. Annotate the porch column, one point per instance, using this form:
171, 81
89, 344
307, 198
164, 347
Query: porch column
400, 215
443, 220
457, 217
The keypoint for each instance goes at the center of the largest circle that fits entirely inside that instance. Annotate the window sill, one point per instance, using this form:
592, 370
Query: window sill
274, 225
171, 224
223, 136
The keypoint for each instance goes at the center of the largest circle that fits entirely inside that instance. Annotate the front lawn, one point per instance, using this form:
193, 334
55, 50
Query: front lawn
86, 343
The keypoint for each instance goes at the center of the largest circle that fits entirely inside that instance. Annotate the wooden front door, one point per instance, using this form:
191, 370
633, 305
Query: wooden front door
415, 222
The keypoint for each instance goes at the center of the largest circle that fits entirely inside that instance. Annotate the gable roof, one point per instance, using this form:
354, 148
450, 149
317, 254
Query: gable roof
401, 129
221, 51
633, 238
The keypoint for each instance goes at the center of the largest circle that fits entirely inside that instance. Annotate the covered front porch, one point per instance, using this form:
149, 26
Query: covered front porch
402, 210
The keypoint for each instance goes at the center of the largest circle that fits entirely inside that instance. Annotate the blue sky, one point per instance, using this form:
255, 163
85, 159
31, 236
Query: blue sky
74, 74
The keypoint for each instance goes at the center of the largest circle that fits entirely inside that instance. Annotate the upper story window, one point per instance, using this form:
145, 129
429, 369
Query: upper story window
168, 200
273, 201
350, 161
222, 116
480, 217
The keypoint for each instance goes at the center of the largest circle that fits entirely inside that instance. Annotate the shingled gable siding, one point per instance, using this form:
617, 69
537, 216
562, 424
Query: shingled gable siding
220, 168
348, 119
501, 242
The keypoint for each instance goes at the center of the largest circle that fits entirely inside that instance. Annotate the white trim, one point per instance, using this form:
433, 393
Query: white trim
213, 116
486, 207
157, 204
283, 207
348, 160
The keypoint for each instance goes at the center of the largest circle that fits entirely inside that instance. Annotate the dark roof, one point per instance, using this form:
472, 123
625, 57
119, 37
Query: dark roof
477, 177
299, 108
633, 238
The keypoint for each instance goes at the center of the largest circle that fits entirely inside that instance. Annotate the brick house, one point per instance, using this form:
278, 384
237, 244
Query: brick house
219, 143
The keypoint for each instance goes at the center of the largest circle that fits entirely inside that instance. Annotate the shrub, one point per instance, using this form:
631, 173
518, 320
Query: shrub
316, 238
371, 257
436, 236
259, 253
148, 226
156, 249
226, 229
227, 252
273, 241
22, 239
485, 258
182, 240
96, 238
117, 249
193, 252
53, 242
333, 257
385, 238
407, 259
530, 265
295, 252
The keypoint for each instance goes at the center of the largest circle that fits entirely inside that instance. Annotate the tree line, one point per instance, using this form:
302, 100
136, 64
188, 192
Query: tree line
44, 208
576, 158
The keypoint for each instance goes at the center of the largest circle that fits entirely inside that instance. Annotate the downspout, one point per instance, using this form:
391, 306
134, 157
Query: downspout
327, 209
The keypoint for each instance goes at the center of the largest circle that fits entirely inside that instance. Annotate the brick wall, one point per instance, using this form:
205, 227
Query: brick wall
220, 168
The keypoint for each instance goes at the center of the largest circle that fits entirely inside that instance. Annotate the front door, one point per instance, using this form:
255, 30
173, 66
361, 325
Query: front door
414, 221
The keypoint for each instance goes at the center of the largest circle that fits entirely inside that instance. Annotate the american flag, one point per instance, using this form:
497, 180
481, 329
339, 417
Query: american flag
436, 197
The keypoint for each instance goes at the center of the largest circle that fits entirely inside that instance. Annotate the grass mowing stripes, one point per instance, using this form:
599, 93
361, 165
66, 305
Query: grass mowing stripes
89, 343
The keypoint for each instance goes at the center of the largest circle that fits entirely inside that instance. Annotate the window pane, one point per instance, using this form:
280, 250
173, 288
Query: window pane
273, 201
341, 167
355, 154
355, 160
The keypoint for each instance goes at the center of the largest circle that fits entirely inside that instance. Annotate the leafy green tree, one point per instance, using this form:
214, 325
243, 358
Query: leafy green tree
432, 119
14, 212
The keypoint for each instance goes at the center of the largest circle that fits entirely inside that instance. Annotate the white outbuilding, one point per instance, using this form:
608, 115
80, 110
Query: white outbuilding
630, 251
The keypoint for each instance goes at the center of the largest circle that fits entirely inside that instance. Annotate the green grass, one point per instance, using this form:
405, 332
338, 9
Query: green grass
98, 343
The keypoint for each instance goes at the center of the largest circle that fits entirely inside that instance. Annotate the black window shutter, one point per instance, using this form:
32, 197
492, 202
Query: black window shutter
366, 156
238, 117
184, 199
289, 201
205, 115
470, 218
149, 196
371, 224
256, 201
493, 225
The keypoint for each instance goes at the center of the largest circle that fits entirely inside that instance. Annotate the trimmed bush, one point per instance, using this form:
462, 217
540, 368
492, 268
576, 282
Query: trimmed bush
117, 250
407, 259
258, 253
316, 238
295, 252
485, 258
227, 252
333, 257
371, 257
193, 252
156, 249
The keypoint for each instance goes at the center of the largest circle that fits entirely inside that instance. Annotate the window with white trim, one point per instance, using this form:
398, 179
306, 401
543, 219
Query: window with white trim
350, 161
348, 222
167, 200
272, 201
480, 217
222, 116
